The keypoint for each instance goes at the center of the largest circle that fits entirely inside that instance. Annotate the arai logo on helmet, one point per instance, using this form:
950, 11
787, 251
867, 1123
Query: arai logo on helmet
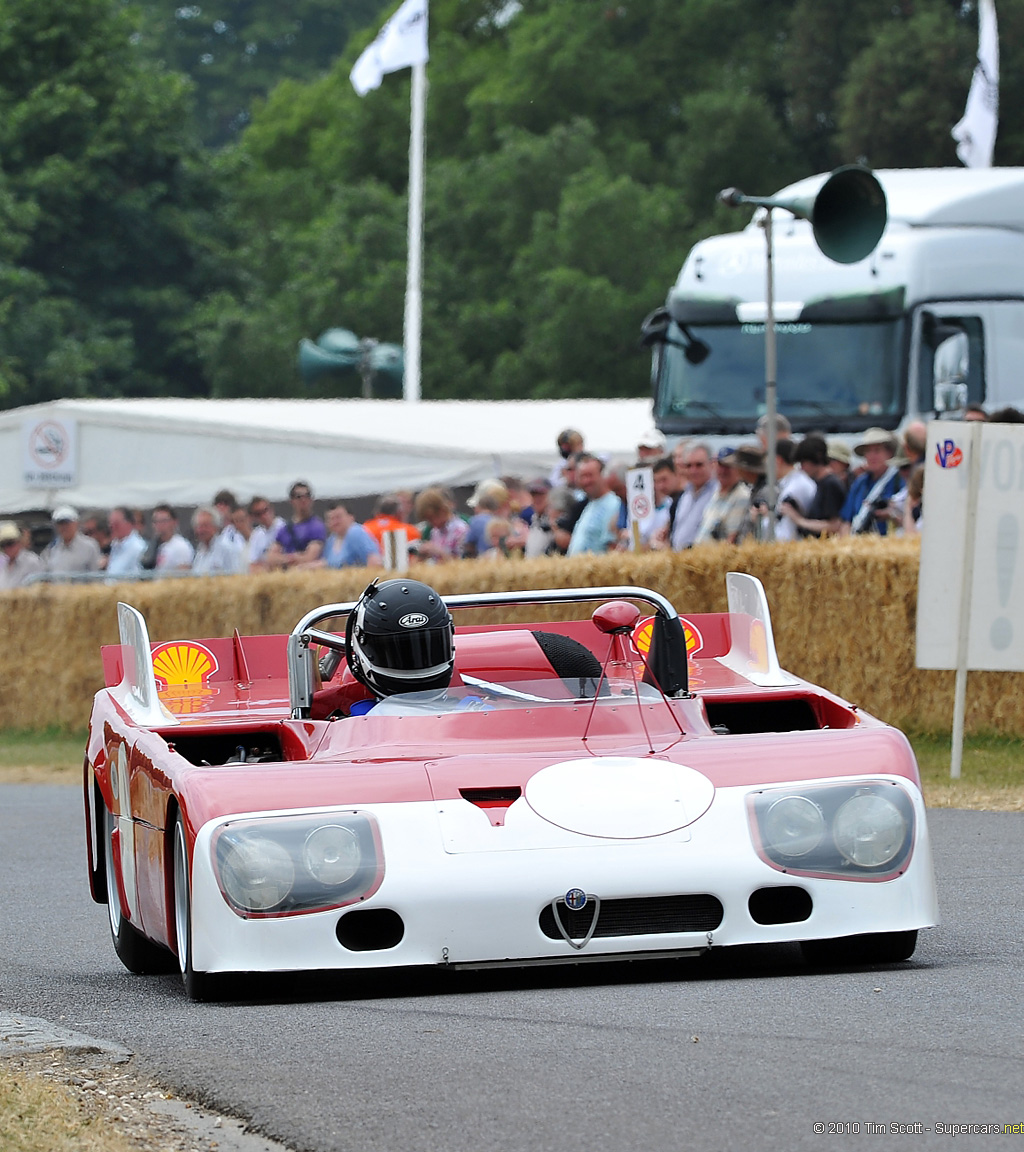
413, 620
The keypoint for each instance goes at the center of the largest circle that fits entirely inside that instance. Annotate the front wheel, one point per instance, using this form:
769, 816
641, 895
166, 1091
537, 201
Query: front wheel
135, 951
198, 985
871, 948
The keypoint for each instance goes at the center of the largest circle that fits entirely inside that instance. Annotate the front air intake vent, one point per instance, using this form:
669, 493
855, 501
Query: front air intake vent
782, 904
370, 930
643, 916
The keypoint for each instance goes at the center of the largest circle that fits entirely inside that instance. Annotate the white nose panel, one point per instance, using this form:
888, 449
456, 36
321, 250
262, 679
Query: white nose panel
619, 797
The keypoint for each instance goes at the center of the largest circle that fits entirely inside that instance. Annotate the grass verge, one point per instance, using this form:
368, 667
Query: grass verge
991, 776
53, 756
38, 1116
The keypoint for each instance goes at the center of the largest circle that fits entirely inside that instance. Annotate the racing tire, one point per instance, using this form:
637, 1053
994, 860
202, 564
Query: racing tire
871, 948
136, 953
198, 985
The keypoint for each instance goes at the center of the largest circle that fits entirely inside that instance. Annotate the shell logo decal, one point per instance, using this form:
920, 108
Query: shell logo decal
183, 670
644, 630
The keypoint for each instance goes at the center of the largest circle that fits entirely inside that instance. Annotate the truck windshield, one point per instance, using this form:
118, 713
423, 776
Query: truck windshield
832, 376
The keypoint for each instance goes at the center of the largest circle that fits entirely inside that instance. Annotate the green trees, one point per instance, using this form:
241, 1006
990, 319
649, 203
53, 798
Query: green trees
574, 153
105, 208
574, 150
235, 51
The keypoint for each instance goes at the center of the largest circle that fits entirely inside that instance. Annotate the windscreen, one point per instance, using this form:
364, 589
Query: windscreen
477, 695
837, 376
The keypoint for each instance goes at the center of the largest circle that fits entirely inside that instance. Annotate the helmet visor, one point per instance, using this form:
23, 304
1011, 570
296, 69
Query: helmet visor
412, 654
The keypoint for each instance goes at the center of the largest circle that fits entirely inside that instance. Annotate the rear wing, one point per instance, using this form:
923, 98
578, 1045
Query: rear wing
137, 693
752, 650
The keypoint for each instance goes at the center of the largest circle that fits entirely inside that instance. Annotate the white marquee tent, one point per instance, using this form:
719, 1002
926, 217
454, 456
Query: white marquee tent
99, 453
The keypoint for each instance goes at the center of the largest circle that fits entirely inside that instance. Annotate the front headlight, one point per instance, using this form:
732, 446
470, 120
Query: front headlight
855, 831
257, 873
332, 854
794, 825
282, 865
868, 830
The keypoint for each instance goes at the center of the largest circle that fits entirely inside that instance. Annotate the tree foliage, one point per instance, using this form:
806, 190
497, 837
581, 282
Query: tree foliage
574, 154
574, 150
236, 51
105, 204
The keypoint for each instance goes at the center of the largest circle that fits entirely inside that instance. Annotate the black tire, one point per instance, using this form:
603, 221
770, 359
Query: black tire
198, 985
871, 948
135, 951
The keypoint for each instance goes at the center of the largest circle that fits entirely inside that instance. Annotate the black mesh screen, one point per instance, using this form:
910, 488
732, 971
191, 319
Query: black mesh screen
569, 658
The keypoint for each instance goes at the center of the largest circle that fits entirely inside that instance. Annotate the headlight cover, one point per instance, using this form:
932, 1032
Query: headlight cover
861, 831
284, 865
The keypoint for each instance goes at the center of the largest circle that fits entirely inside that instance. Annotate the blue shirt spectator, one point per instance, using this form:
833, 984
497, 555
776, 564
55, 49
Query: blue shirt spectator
597, 528
349, 544
127, 547
868, 504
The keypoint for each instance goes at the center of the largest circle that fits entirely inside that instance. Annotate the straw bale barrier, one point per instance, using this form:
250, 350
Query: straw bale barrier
843, 610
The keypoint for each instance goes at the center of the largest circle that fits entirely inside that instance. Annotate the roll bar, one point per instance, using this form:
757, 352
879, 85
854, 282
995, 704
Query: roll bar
666, 660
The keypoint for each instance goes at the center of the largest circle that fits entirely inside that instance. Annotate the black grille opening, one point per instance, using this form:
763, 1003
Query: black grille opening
739, 717
642, 916
370, 930
491, 795
782, 905
233, 748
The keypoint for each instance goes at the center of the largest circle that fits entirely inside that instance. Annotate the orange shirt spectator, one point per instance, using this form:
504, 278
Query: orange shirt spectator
386, 519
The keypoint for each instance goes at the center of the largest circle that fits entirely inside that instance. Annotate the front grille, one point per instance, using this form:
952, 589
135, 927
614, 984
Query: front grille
642, 916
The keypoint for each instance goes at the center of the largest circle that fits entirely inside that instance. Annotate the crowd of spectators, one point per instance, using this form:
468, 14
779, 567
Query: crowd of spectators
699, 496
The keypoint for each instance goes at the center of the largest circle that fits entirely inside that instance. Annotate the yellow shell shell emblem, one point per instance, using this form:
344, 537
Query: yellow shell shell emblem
644, 630
183, 670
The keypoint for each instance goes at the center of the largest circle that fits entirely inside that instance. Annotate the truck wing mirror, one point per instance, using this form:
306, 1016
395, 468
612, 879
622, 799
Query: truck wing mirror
655, 329
950, 370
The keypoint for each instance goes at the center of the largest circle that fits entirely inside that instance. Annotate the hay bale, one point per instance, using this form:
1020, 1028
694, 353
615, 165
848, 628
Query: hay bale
844, 613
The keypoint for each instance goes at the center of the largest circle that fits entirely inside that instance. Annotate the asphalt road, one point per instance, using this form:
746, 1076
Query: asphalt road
746, 1048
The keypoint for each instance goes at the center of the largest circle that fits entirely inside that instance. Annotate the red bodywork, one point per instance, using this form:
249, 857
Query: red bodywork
485, 757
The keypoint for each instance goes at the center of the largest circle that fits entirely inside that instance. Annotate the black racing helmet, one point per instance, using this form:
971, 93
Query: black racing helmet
400, 638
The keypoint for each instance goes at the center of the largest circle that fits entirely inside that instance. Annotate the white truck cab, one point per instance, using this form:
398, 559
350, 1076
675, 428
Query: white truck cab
931, 320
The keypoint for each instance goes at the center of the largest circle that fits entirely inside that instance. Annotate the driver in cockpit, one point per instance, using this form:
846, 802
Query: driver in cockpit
399, 638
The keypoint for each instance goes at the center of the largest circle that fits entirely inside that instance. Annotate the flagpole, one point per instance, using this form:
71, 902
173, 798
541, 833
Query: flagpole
412, 333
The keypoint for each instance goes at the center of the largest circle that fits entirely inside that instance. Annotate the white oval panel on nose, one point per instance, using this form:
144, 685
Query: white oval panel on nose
619, 797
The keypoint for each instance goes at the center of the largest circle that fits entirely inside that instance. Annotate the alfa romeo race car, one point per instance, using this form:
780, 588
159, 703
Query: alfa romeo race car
633, 785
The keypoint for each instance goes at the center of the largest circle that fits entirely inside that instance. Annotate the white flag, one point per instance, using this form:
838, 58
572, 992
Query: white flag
401, 43
976, 133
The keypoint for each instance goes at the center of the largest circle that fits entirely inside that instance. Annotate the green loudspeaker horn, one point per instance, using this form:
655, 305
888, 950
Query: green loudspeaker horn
848, 214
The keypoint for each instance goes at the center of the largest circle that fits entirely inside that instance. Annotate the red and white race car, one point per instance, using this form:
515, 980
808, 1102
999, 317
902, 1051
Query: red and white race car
634, 785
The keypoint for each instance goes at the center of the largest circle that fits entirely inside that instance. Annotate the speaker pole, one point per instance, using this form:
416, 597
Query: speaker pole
734, 197
770, 377
848, 215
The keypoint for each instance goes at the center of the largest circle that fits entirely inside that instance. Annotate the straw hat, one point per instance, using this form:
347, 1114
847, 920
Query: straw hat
875, 436
838, 450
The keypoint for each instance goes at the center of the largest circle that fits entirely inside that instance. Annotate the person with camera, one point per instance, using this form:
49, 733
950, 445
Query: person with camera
823, 516
868, 505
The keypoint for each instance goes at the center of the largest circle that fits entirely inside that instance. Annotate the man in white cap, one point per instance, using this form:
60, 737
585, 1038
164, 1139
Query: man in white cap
650, 447
70, 551
867, 505
21, 562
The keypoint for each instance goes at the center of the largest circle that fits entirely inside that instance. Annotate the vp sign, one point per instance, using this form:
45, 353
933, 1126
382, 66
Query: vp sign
972, 566
970, 611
